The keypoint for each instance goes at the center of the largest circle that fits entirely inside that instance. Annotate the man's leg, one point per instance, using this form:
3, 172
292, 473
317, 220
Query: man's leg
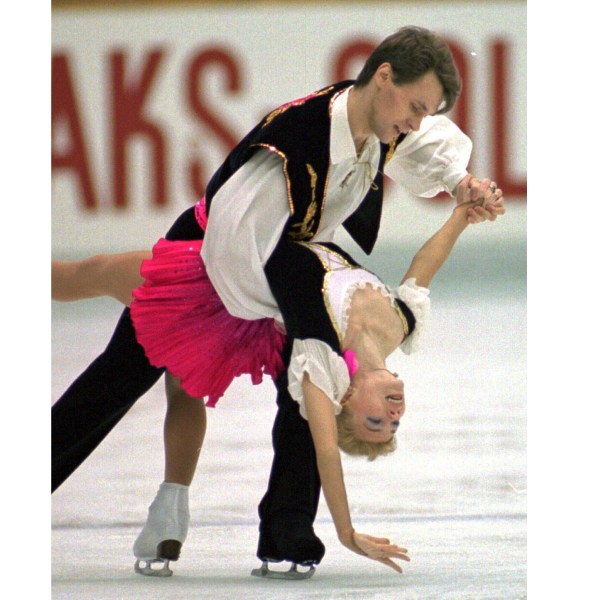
97, 400
288, 509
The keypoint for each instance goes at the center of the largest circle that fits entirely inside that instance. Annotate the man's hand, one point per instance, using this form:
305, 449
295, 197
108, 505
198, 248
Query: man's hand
485, 194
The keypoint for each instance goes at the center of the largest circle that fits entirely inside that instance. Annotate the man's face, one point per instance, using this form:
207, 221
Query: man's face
400, 109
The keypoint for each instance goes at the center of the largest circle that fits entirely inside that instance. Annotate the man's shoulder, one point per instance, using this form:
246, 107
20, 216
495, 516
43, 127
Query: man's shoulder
310, 103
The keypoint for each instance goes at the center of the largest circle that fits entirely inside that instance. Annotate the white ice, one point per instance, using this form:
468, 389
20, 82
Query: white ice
454, 493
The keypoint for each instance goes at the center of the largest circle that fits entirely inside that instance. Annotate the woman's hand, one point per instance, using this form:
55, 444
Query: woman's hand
375, 548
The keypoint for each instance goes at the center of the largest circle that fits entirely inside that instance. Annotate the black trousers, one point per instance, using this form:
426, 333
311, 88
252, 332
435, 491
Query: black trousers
294, 484
98, 399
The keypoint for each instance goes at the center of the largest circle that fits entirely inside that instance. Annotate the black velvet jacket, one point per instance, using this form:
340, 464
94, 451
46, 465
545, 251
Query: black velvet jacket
299, 132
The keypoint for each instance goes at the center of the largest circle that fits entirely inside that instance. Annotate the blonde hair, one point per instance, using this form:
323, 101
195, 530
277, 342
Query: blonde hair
348, 442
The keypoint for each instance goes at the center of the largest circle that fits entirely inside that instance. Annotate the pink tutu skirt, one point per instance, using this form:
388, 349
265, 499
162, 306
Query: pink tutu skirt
182, 325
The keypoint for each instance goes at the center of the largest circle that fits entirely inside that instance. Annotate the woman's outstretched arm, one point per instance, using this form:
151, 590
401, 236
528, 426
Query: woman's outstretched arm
323, 429
434, 253
115, 275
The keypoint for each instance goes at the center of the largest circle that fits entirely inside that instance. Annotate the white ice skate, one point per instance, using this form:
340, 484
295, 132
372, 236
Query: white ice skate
165, 530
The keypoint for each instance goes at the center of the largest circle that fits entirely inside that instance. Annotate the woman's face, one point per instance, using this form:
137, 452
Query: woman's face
377, 404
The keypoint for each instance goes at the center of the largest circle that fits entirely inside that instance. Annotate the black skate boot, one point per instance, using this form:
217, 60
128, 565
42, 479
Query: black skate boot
289, 538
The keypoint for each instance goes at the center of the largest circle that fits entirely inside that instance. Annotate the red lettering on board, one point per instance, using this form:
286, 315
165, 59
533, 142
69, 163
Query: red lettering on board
355, 52
130, 92
500, 126
223, 60
65, 115
460, 113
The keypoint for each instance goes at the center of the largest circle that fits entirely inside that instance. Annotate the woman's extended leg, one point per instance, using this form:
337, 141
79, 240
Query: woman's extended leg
114, 275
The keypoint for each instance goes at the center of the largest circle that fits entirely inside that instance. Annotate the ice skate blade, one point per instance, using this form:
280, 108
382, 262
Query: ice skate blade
291, 574
144, 567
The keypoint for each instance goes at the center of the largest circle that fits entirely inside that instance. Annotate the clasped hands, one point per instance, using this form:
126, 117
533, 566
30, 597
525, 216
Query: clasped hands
485, 196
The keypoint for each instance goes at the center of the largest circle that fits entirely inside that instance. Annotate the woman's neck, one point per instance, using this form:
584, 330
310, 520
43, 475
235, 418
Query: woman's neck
367, 345
373, 327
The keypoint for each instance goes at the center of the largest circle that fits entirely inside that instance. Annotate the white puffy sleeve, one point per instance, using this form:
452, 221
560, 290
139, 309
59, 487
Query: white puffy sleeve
251, 208
325, 368
417, 299
431, 160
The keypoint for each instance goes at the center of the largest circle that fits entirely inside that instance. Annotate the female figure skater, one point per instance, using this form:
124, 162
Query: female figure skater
341, 323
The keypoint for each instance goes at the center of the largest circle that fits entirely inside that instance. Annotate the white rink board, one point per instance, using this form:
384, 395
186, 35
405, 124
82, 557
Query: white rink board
270, 57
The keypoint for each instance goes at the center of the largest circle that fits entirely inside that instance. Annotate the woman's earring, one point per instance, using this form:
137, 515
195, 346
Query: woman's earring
347, 395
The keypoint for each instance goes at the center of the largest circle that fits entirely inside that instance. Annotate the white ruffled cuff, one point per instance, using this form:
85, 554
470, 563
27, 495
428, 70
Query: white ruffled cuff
417, 299
326, 369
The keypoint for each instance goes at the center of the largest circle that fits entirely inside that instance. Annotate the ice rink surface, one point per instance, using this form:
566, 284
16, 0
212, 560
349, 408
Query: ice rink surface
454, 493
